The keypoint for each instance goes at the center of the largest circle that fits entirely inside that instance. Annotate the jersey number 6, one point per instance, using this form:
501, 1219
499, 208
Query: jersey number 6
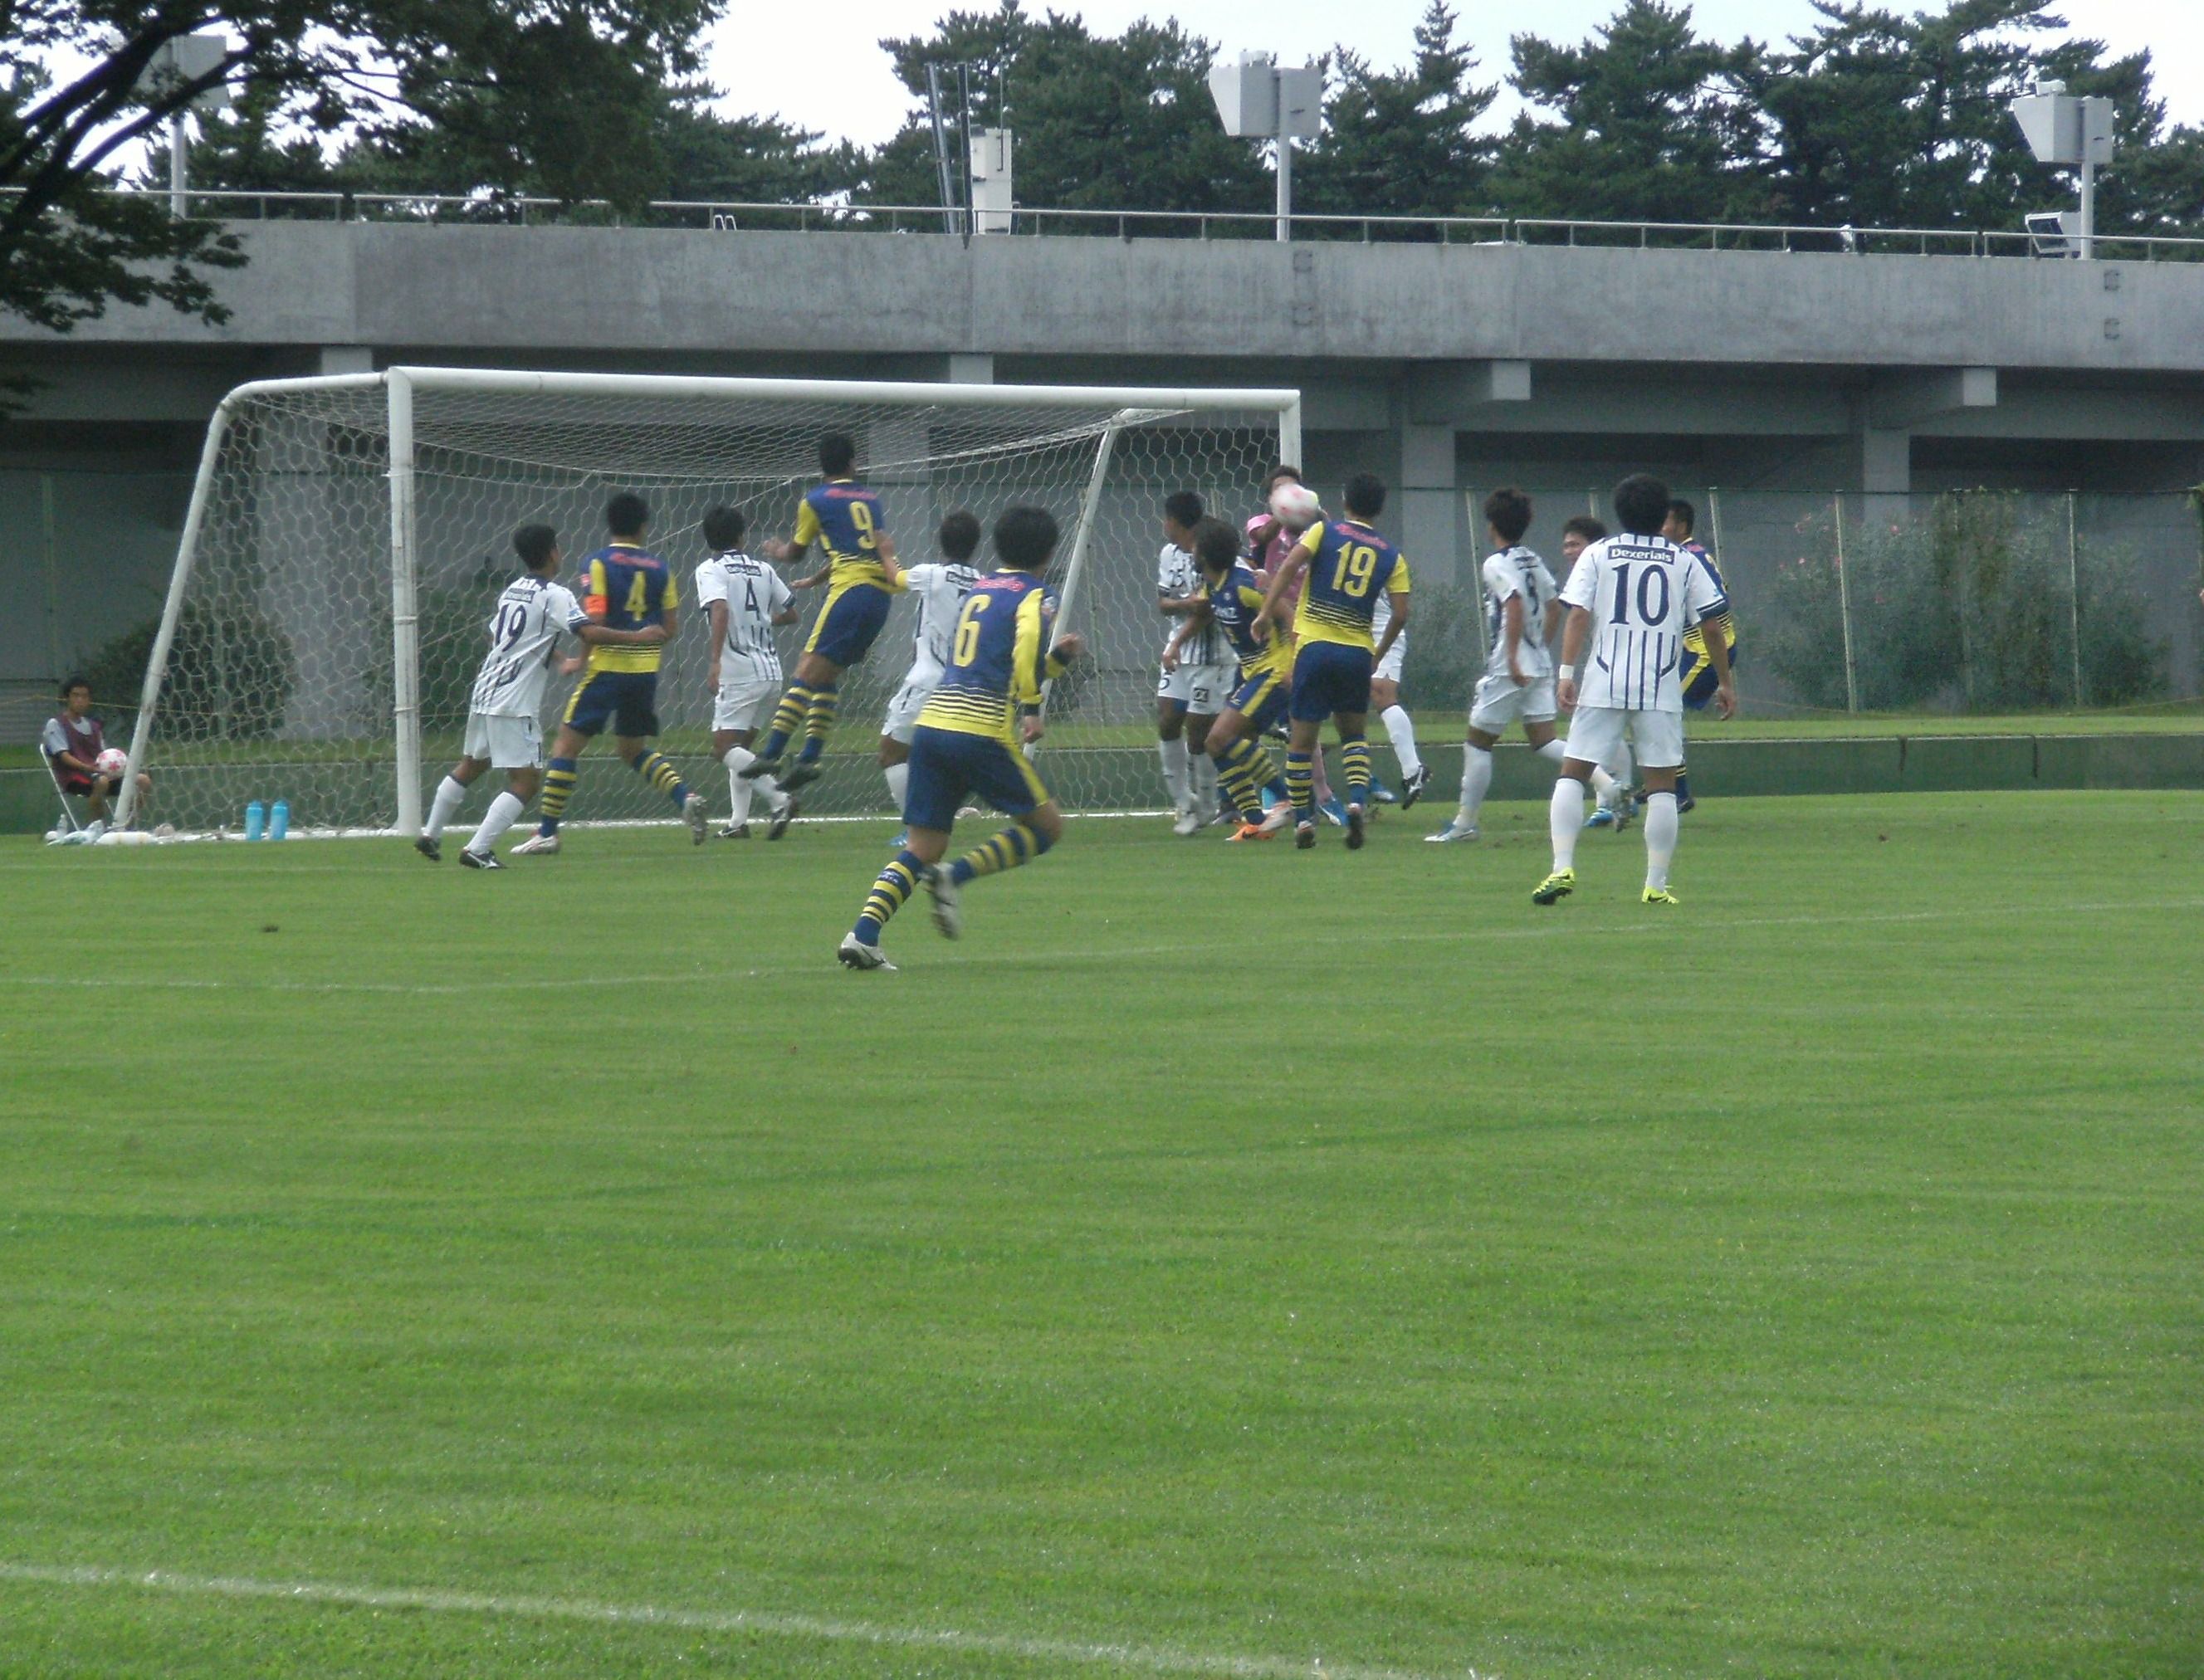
968, 631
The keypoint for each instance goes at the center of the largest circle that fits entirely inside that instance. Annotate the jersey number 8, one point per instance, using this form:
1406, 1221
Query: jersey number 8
1356, 564
968, 631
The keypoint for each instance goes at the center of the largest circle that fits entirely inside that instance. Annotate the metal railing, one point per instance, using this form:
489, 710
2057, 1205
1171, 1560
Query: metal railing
525, 210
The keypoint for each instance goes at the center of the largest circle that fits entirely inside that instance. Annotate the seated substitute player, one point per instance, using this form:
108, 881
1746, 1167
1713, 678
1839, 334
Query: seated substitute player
1522, 612
940, 589
968, 738
503, 731
1193, 687
845, 520
73, 740
746, 599
1630, 599
1695, 673
1349, 565
1230, 602
625, 588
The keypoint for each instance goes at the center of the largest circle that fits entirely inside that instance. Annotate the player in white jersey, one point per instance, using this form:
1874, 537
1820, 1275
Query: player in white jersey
746, 599
1631, 599
503, 712
1522, 611
1192, 692
1615, 807
1385, 701
940, 589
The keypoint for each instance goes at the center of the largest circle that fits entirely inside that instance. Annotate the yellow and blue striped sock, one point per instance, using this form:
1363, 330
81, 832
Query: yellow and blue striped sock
889, 894
1242, 769
558, 788
1354, 755
1015, 845
787, 719
1300, 785
818, 722
658, 770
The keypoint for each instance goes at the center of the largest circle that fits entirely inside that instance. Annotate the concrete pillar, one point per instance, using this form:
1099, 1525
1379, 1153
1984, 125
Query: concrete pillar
1886, 461
346, 359
971, 368
1430, 501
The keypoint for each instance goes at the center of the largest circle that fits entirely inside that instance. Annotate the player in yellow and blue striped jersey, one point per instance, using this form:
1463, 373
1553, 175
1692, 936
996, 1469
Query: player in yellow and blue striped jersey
1232, 600
1349, 566
845, 520
1694, 672
967, 741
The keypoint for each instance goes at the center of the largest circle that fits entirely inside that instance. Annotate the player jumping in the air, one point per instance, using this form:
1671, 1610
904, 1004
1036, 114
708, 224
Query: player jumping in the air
1695, 673
1230, 601
1631, 599
746, 598
845, 520
1522, 612
1193, 687
940, 589
969, 735
1349, 565
625, 587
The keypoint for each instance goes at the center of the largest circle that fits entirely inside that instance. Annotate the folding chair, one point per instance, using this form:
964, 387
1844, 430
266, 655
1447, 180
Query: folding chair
78, 833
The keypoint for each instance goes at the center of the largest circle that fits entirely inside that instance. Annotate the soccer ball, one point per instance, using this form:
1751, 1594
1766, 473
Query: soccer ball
112, 763
1294, 506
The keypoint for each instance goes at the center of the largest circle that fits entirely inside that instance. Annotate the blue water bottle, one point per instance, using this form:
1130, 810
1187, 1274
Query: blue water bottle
279, 820
253, 815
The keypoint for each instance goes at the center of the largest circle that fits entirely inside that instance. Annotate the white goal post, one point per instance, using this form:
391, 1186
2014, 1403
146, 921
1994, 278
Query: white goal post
347, 536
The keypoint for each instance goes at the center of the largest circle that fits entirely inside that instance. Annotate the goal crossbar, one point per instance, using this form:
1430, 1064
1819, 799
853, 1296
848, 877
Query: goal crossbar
401, 385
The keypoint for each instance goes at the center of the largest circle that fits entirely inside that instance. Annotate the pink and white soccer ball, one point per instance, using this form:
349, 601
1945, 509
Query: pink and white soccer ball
1294, 506
112, 762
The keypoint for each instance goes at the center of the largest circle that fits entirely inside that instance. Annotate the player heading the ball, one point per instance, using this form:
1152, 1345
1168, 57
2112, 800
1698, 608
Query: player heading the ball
968, 738
846, 519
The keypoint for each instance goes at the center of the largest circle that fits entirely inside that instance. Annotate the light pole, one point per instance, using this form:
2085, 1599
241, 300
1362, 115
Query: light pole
1260, 99
2062, 130
185, 59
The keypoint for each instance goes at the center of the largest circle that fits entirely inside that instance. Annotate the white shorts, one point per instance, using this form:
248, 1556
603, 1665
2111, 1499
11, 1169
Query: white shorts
909, 700
1500, 700
1204, 689
1596, 730
509, 743
743, 704
1388, 670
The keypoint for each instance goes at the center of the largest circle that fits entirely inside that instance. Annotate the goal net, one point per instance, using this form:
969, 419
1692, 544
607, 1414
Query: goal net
348, 535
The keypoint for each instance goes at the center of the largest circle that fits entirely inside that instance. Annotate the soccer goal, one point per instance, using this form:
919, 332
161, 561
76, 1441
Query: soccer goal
348, 536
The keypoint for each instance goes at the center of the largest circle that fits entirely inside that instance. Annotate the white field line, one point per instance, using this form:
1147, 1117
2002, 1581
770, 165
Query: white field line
1549, 925
1149, 1659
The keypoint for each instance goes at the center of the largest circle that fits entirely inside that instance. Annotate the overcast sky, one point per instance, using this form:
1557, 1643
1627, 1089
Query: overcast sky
777, 57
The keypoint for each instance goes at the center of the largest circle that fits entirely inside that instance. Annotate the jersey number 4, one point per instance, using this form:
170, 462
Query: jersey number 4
638, 597
968, 631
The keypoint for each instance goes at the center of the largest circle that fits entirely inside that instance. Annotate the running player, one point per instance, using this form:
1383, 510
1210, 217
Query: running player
967, 738
845, 520
1522, 611
746, 599
941, 590
1349, 565
1195, 684
1644, 591
1230, 601
1695, 674
503, 731
626, 589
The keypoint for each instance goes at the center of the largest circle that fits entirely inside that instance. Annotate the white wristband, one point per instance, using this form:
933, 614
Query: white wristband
1567, 671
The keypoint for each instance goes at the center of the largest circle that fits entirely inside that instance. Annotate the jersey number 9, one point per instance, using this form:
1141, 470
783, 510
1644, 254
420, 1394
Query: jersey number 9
1356, 565
968, 631
861, 516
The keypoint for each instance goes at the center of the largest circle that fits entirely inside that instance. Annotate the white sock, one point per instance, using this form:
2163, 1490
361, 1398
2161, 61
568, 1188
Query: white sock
504, 811
1476, 782
1173, 754
1566, 818
898, 776
1554, 750
1659, 838
738, 759
449, 795
1400, 730
1201, 771
1604, 785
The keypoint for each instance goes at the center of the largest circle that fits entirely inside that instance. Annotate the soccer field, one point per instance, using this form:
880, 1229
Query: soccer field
1223, 1262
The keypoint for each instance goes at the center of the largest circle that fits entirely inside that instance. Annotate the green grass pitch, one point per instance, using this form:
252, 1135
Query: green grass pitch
1223, 1261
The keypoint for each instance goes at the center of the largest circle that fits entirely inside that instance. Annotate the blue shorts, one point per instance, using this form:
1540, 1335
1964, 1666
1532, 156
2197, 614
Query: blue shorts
848, 623
628, 699
1698, 679
1330, 677
948, 766
1261, 700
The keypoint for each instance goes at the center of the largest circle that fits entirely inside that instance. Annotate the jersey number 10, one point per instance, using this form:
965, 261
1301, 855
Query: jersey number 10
1647, 612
